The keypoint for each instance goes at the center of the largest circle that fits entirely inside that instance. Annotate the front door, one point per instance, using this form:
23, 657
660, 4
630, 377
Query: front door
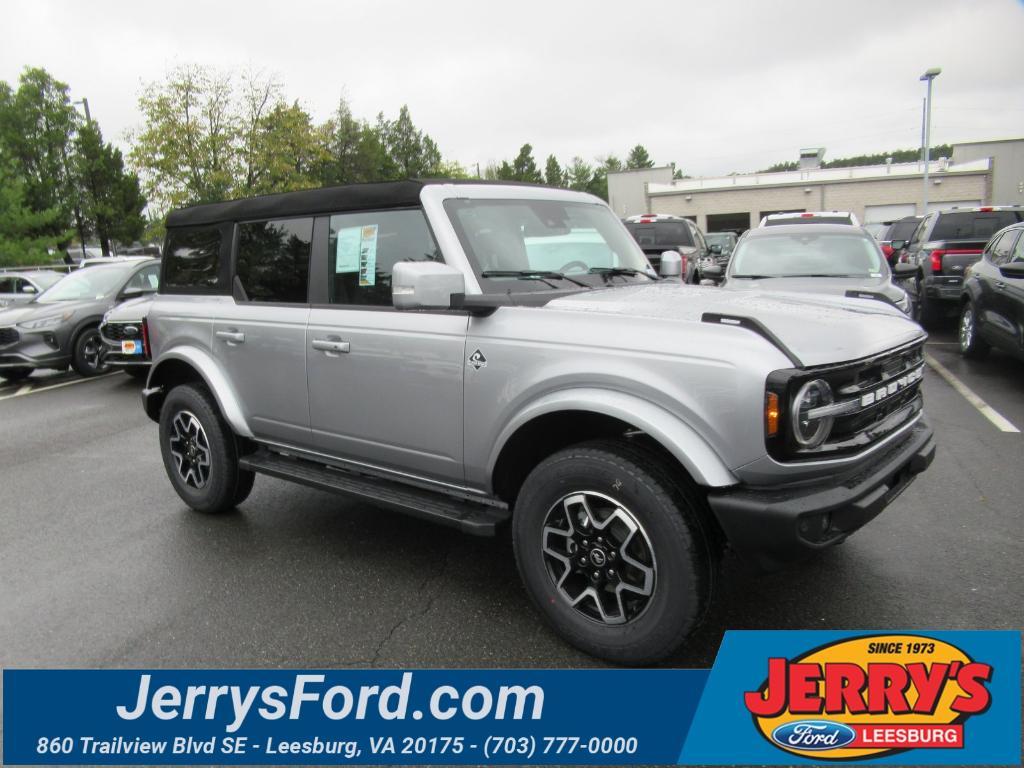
385, 386
259, 336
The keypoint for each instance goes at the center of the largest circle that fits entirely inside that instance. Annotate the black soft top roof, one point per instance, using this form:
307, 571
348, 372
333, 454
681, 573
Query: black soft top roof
350, 197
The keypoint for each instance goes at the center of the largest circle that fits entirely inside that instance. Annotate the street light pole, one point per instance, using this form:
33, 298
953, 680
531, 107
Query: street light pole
928, 76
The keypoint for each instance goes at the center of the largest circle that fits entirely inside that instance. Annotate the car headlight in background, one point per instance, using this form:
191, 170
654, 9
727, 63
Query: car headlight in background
46, 322
808, 431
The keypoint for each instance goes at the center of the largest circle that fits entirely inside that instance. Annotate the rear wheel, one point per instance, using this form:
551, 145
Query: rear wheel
971, 344
89, 357
613, 552
199, 452
15, 374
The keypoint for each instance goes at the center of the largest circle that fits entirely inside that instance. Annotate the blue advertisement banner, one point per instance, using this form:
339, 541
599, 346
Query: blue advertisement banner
785, 697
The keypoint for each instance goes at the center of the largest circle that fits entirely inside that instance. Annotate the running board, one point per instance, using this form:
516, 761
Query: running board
471, 517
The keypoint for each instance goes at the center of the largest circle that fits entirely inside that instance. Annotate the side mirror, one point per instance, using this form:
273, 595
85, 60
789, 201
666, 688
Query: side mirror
716, 249
902, 270
671, 264
897, 245
1014, 269
713, 271
27, 288
131, 293
425, 285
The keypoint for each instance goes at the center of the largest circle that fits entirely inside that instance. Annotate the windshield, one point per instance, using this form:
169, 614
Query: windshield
818, 255
534, 243
903, 229
724, 239
91, 283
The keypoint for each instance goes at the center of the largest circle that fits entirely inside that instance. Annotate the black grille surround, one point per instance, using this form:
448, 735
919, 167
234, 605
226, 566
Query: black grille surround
873, 397
8, 335
121, 331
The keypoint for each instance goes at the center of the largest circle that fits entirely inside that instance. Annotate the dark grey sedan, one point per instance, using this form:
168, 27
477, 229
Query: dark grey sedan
60, 327
832, 259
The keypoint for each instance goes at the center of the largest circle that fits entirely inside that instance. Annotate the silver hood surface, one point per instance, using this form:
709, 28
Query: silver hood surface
818, 329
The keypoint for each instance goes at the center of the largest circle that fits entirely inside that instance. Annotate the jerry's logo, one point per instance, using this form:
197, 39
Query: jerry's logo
870, 696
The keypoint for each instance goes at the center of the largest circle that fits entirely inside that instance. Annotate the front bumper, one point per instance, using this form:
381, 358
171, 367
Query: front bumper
32, 349
775, 525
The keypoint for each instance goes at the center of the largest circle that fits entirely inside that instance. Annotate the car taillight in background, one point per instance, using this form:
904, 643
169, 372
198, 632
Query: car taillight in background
886, 250
145, 338
937, 261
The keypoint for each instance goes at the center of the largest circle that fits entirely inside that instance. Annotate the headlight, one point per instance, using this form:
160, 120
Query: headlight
45, 322
807, 431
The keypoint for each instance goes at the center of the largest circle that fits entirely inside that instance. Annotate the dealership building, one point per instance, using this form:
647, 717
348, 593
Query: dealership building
978, 173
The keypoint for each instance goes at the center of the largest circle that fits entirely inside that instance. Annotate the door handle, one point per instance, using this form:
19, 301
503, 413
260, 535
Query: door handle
231, 337
326, 345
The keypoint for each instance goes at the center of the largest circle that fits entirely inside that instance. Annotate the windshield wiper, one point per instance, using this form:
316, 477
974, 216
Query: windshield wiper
533, 274
822, 274
613, 271
753, 277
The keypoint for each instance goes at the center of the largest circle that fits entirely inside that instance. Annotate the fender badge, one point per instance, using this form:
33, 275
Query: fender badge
477, 360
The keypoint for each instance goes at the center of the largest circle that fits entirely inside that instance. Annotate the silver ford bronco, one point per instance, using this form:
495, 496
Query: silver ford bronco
491, 355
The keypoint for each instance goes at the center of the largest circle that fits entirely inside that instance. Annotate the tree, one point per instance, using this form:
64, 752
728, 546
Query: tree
112, 200
524, 167
554, 176
352, 151
37, 127
599, 181
638, 158
579, 174
187, 151
25, 234
410, 152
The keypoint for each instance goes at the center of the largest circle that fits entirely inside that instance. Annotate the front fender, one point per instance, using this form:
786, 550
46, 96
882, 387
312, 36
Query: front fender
675, 435
212, 374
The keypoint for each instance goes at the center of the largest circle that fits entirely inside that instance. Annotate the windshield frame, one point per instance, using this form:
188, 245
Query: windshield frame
884, 272
530, 284
125, 271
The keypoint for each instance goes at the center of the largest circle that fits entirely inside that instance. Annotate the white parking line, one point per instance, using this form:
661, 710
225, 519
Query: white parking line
1001, 422
29, 390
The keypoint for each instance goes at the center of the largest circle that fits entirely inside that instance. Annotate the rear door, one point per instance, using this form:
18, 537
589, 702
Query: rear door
259, 336
385, 387
1008, 297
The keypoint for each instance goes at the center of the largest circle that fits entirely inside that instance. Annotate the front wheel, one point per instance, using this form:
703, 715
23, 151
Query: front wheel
613, 552
89, 356
199, 452
972, 346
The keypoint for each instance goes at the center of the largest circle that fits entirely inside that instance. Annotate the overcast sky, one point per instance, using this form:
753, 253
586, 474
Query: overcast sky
716, 86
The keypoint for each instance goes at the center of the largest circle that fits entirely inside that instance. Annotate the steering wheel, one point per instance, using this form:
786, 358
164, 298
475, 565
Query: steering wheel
583, 267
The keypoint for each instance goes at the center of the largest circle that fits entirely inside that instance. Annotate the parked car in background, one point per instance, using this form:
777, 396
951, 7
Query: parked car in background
809, 217
22, 287
899, 231
657, 233
831, 259
724, 240
992, 302
944, 244
60, 327
624, 428
126, 335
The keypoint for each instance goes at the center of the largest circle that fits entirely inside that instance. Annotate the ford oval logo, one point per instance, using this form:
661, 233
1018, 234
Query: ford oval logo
813, 735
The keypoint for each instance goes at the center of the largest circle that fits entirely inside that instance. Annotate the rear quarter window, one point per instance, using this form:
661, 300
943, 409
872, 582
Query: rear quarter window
193, 260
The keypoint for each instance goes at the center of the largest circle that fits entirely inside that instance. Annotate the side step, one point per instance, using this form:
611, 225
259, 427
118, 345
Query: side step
471, 517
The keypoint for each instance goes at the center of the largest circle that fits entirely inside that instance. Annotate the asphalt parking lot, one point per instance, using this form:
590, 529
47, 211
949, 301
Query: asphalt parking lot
102, 565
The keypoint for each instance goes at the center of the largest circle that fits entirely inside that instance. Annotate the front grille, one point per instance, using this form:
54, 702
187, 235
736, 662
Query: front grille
9, 335
122, 331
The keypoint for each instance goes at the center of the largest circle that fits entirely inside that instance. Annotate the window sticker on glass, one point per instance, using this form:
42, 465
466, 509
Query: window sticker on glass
368, 255
347, 257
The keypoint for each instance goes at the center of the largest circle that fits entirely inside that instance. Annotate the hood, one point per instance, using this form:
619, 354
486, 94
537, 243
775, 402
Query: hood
818, 329
133, 309
832, 286
33, 310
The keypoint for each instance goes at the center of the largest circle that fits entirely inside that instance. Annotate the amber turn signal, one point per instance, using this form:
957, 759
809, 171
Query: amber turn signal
771, 414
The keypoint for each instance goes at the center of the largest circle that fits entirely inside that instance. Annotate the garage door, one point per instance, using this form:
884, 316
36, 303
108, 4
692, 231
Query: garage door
877, 213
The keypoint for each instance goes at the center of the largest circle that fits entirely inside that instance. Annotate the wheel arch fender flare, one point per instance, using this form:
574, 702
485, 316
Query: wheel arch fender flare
91, 321
212, 375
689, 448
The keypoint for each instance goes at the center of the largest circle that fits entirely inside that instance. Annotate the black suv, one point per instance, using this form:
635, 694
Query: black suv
992, 303
945, 244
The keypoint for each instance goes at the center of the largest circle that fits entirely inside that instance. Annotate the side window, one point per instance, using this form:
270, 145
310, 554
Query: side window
273, 259
698, 238
146, 280
1018, 251
6, 284
363, 248
192, 259
919, 232
1002, 248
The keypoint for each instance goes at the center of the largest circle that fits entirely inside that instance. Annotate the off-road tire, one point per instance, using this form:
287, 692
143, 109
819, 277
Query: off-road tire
81, 355
675, 519
224, 485
972, 346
